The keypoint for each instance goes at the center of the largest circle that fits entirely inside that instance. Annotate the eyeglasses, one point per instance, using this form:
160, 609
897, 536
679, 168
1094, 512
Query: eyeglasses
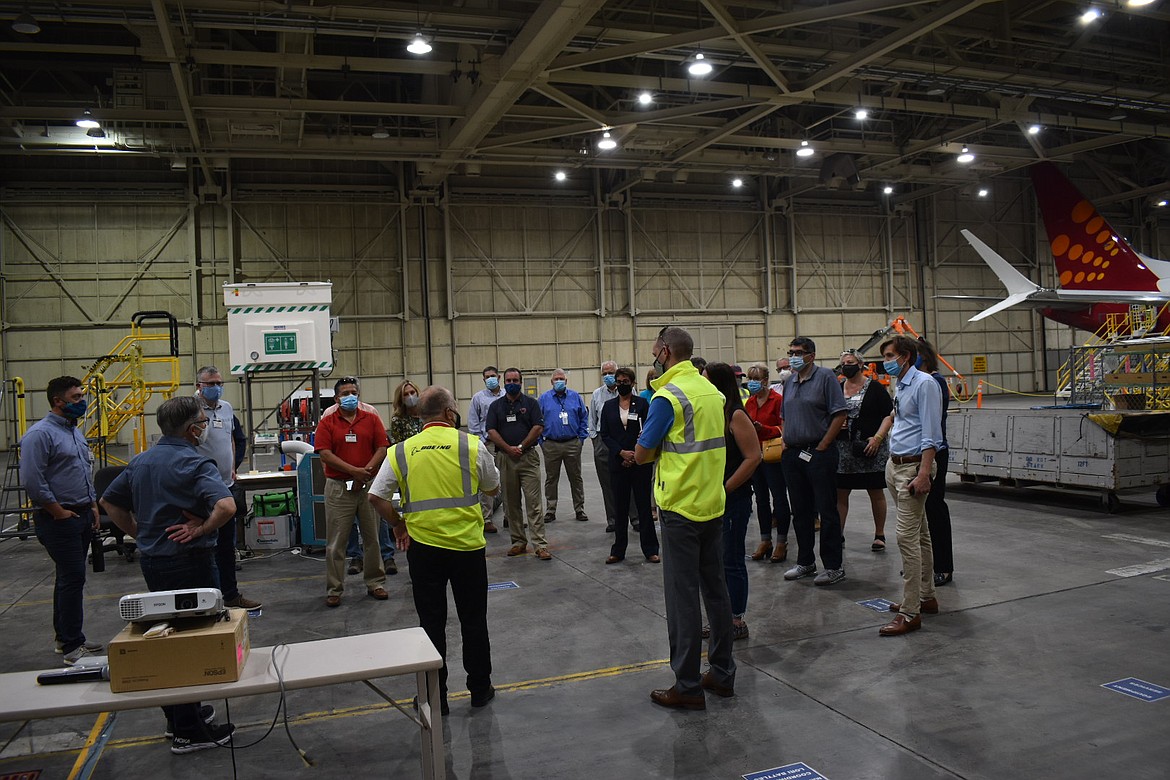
797, 353
201, 421
347, 380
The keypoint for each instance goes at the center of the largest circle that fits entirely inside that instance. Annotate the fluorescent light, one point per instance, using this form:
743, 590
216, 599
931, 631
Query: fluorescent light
805, 150
1162, 203
887, 190
1138, 3
1034, 130
861, 113
606, 143
1090, 16
419, 45
380, 132
645, 98
699, 65
965, 156
737, 182
87, 122
25, 23
560, 176
983, 192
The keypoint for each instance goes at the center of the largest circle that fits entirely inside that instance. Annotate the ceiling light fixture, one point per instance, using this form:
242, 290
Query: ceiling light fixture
95, 132
419, 45
699, 65
1138, 3
645, 98
1034, 130
606, 143
965, 156
737, 182
1162, 203
887, 190
87, 122
1090, 16
983, 192
380, 132
26, 23
560, 176
805, 150
861, 114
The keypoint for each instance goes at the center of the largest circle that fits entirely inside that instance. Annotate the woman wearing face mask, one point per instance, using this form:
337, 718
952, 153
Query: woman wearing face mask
405, 422
862, 447
763, 407
621, 424
648, 391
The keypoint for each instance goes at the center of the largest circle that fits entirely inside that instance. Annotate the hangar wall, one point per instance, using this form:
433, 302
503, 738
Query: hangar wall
534, 279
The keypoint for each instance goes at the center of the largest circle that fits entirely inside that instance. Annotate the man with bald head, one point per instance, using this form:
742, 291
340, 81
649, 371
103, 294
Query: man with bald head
566, 424
439, 474
601, 396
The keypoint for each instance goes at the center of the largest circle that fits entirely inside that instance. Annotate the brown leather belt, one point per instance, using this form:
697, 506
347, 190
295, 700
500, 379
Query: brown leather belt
898, 460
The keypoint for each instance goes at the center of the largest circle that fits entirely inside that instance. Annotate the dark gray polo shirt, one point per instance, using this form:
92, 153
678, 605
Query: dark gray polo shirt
809, 407
514, 419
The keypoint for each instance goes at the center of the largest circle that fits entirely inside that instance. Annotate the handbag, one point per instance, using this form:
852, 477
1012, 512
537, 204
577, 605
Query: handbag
773, 450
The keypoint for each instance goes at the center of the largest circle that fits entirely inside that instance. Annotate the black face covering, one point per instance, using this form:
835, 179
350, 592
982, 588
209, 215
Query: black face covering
850, 371
624, 390
458, 421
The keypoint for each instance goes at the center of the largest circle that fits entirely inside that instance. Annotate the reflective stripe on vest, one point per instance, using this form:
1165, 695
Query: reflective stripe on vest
467, 499
689, 444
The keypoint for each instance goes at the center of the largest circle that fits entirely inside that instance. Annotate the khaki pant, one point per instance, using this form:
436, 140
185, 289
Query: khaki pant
568, 453
522, 478
340, 507
913, 537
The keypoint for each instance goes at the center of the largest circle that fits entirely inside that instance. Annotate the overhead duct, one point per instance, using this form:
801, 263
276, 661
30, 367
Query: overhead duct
838, 169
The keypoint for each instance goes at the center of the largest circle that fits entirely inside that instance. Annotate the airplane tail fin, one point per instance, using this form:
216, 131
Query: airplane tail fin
1019, 287
1089, 253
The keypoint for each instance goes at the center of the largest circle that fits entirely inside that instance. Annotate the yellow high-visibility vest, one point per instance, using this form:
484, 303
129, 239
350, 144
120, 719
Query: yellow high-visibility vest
438, 481
689, 480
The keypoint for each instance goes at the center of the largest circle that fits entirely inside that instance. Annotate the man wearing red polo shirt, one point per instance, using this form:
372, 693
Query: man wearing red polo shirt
352, 444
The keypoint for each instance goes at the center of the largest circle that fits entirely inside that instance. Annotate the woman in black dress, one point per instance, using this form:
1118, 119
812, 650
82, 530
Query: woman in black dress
862, 451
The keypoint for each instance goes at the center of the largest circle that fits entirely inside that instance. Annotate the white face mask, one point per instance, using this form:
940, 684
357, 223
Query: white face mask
201, 437
784, 374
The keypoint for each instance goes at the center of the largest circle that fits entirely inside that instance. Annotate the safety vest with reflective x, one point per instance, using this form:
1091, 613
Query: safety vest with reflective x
689, 480
439, 485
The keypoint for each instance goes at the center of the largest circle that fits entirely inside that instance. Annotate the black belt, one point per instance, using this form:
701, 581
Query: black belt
561, 441
898, 460
812, 445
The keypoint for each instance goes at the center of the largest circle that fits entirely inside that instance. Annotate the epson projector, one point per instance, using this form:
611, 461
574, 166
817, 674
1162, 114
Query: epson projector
167, 604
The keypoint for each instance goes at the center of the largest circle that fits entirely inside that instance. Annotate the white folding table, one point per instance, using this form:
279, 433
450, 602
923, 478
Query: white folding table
359, 658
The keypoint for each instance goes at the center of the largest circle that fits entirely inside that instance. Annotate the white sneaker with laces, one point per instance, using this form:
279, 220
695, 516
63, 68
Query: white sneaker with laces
76, 654
93, 647
798, 571
829, 576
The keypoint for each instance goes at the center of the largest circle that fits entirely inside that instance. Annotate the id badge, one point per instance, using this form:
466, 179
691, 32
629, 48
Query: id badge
564, 418
806, 455
351, 438
510, 418
632, 416
217, 423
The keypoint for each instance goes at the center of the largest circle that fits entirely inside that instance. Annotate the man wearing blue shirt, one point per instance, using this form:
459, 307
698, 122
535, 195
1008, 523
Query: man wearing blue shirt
566, 425
172, 500
56, 470
915, 437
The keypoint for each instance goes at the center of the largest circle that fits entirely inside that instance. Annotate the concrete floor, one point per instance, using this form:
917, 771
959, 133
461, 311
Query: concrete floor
1005, 682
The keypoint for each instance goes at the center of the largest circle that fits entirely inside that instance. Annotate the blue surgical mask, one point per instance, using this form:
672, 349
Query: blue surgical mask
609, 379
512, 388
211, 394
892, 367
493, 383
754, 386
76, 410
348, 402
559, 385
796, 363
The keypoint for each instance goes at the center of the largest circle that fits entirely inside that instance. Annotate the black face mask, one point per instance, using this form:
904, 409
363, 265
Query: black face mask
624, 390
850, 371
458, 421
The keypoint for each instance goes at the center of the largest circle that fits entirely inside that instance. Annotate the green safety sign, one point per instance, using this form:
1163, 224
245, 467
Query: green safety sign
280, 343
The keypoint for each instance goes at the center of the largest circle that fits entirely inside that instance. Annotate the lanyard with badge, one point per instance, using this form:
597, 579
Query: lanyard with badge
564, 416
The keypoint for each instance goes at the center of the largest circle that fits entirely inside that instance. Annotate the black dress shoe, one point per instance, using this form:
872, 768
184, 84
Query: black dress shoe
609, 528
670, 697
481, 698
943, 578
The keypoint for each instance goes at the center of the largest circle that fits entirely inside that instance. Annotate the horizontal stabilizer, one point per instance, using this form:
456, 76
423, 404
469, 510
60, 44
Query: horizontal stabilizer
1006, 303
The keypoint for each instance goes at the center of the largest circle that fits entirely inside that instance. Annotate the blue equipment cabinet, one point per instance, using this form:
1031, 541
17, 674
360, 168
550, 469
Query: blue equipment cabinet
311, 501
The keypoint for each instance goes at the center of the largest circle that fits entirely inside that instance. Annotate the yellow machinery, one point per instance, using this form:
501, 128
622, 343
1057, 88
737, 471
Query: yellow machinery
120, 398
1125, 366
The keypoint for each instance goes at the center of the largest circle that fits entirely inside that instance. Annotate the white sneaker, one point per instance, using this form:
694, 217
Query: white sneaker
798, 571
829, 576
93, 647
75, 655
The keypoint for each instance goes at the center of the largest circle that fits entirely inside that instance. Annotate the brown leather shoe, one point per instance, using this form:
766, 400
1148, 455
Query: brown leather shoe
543, 554
709, 684
517, 549
900, 625
613, 559
490, 528
762, 551
780, 552
333, 601
670, 697
930, 607
379, 593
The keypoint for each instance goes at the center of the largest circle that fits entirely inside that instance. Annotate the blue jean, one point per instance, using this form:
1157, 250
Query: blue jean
354, 548
67, 542
735, 522
692, 571
812, 489
191, 569
768, 481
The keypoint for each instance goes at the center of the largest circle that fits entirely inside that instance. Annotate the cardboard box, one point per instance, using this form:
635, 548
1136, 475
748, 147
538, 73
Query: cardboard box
201, 651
